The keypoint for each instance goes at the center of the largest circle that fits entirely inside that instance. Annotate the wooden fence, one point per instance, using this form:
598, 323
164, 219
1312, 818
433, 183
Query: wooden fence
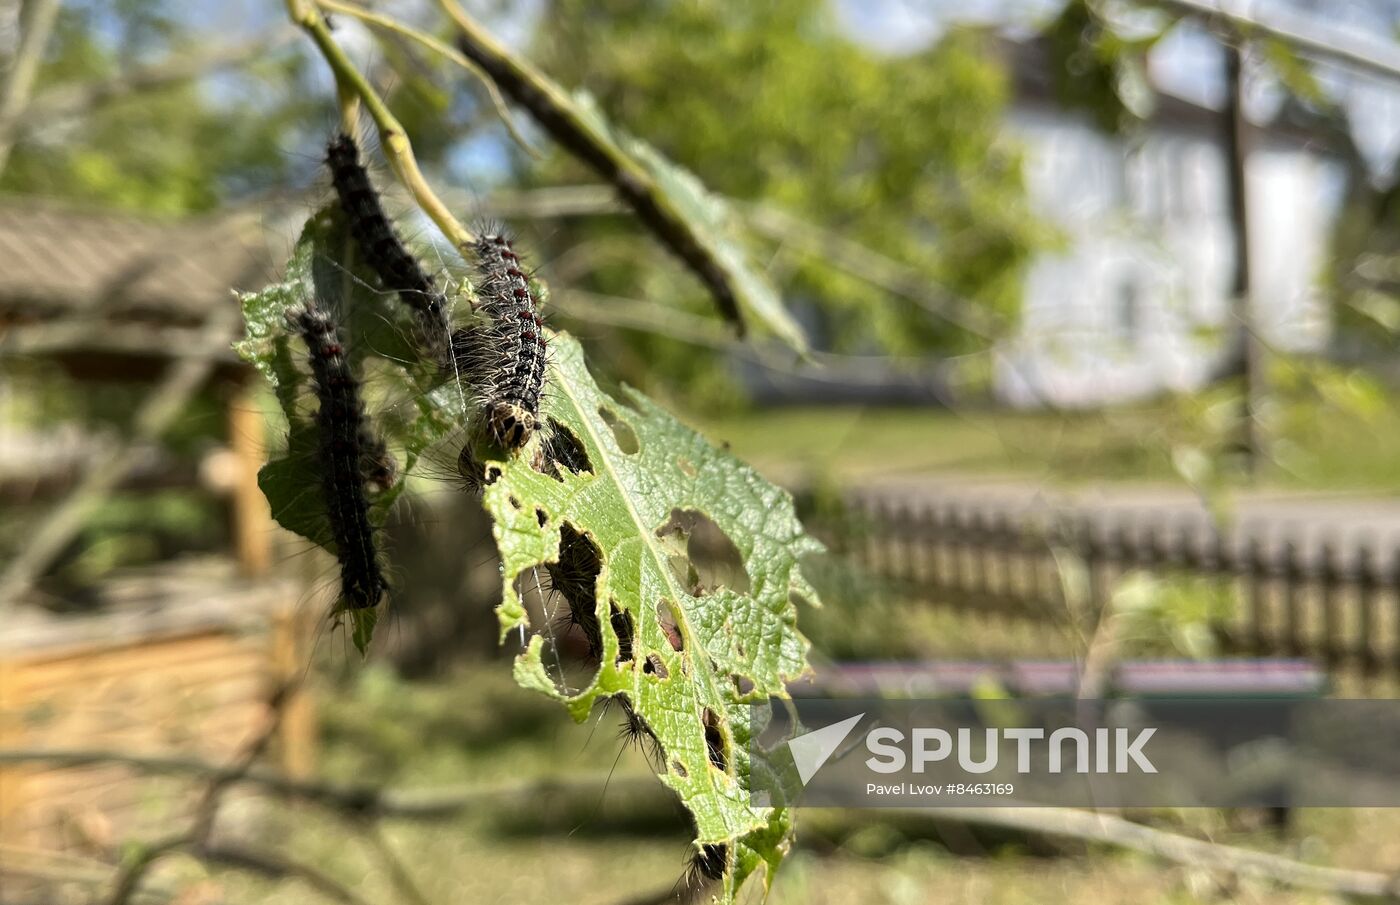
1295, 594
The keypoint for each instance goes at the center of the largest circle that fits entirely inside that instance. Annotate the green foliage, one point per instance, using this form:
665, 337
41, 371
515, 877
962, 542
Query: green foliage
702, 644
1098, 70
769, 102
172, 151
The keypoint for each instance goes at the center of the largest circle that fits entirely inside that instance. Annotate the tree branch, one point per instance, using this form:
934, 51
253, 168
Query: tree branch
1069, 823
392, 137
1088, 826
556, 111
195, 839
447, 51
37, 18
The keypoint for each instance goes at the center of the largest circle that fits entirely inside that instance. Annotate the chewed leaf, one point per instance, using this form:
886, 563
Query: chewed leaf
682, 561
695, 652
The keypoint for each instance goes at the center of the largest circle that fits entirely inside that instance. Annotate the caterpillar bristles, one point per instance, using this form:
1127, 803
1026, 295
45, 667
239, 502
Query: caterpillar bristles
635, 733
384, 252
346, 448
707, 865
504, 356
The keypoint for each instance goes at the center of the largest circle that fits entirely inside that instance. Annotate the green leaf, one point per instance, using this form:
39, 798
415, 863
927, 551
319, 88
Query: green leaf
697, 555
649, 472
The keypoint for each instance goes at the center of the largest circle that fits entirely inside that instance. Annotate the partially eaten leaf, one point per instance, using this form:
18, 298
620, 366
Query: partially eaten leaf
681, 563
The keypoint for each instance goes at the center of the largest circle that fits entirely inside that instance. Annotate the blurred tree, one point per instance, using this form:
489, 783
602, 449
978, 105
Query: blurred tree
184, 148
770, 103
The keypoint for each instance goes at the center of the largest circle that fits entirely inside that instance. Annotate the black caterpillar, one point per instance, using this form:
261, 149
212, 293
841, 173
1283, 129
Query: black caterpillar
351, 456
383, 251
504, 357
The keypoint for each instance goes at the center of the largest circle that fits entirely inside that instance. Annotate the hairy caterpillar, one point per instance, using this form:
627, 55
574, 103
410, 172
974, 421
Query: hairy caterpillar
504, 356
384, 252
350, 455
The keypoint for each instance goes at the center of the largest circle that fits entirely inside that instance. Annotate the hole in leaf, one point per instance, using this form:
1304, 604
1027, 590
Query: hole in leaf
561, 597
667, 619
623, 628
541, 516
573, 579
655, 667
566, 657
514, 502
703, 558
563, 452
622, 431
715, 744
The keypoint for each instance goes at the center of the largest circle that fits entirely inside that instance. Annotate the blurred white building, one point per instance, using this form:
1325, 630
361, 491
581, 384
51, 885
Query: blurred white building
1138, 299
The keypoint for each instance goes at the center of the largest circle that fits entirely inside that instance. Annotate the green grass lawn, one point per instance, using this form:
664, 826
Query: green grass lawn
1315, 446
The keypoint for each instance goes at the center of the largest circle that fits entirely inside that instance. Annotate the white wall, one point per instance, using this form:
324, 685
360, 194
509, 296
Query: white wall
1136, 302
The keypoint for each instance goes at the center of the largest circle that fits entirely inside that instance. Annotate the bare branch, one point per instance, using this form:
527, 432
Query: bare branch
1315, 38
277, 867
1104, 828
141, 859
394, 141
1069, 823
557, 113
37, 19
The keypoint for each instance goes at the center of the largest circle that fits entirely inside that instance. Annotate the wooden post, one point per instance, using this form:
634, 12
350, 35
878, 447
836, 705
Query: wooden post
1257, 567
11, 777
252, 521
290, 653
1367, 588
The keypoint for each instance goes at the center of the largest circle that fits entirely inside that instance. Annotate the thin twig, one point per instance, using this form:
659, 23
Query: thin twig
1311, 34
442, 49
408, 888
277, 867
868, 265
393, 140
1088, 826
560, 116
195, 839
368, 800
160, 409
37, 19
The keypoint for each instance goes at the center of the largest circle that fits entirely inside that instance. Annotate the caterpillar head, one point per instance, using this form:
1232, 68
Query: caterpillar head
510, 424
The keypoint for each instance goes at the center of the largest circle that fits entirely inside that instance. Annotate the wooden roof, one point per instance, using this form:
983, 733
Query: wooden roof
59, 260
113, 294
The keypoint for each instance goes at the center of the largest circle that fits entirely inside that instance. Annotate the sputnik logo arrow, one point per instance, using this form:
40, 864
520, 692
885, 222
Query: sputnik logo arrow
812, 749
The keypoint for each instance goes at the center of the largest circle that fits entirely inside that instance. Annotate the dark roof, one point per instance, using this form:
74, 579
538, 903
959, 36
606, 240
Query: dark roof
59, 260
